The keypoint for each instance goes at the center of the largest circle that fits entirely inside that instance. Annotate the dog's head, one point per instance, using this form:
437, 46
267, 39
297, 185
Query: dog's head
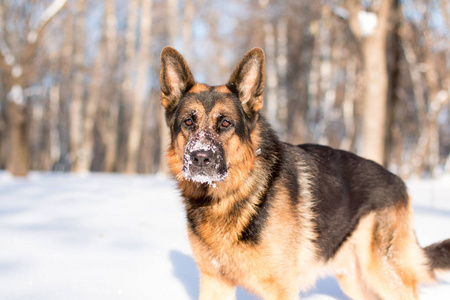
210, 126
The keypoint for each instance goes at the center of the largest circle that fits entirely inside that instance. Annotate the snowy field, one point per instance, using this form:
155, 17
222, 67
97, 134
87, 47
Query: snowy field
103, 236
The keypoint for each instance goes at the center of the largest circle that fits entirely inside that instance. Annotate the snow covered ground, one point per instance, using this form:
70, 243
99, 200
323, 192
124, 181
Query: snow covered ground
104, 236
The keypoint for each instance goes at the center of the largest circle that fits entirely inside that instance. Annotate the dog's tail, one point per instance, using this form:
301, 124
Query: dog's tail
439, 255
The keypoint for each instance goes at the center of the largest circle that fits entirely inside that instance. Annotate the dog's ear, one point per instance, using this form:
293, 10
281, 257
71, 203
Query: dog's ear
247, 80
175, 77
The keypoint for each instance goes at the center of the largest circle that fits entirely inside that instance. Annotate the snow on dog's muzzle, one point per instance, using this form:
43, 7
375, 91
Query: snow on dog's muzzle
203, 159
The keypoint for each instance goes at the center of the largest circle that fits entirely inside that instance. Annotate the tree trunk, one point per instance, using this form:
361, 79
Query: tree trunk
66, 66
3, 143
128, 77
54, 120
96, 92
271, 83
140, 90
18, 158
164, 133
108, 123
393, 62
281, 64
189, 11
374, 112
76, 107
372, 43
348, 107
17, 121
313, 81
91, 106
327, 83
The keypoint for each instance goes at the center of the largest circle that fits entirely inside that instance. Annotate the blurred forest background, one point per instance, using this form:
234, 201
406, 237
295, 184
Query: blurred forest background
79, 80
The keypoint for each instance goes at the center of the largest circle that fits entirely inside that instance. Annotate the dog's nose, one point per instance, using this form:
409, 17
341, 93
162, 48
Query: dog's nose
202, 158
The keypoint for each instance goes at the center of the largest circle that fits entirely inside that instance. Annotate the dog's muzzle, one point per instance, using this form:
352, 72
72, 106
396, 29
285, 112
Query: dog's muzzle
204, 159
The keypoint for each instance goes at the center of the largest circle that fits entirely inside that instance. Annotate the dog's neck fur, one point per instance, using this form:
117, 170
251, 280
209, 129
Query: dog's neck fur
231, 215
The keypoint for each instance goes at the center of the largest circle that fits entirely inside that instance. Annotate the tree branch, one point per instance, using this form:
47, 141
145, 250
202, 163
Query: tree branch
445, 13
35, 35
7, 59
354, 7
46, 17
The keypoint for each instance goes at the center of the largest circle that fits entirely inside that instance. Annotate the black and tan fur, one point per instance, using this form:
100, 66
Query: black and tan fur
273, 217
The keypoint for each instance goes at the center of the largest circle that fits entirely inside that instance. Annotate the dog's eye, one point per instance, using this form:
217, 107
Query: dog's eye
188, 122
225, 123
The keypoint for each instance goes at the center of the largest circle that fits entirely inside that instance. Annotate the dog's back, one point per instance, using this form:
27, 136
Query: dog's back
345, 188
363, 218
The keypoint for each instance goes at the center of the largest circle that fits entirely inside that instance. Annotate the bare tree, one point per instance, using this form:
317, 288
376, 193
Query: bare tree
348, 106
189, 11
370, 29
282, 67
17, 65
76, 106
163, 130
129, 62
53, 120
109, 103
327, 82
271, 84
140, 89
91, 106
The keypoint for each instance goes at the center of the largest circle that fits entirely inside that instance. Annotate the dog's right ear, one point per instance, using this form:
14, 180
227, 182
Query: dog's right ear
248, 80
175, 77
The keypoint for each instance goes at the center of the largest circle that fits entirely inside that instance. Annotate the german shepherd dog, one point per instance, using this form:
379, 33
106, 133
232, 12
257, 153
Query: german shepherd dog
273, 217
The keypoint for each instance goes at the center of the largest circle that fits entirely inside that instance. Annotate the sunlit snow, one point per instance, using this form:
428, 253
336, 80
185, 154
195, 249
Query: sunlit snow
108, 236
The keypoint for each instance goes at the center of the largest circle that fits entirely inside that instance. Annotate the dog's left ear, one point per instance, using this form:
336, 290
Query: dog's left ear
248, 80
175, 78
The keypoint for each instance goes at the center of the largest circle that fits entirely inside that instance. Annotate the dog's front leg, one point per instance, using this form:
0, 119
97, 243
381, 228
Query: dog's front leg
213, 287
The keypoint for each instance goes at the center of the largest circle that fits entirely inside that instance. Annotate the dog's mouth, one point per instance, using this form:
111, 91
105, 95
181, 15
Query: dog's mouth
203, 160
